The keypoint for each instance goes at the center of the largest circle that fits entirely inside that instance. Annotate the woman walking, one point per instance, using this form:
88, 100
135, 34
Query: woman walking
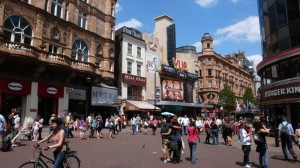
262, 148
228, 130
192, 140
82, 127
297, 134
207, 130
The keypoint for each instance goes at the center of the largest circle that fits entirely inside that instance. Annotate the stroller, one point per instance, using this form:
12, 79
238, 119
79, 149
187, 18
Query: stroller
27, 134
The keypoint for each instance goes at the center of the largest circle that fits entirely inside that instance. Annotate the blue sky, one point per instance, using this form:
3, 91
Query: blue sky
233, 24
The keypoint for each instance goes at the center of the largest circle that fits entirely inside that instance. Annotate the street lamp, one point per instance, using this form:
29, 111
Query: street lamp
154, 98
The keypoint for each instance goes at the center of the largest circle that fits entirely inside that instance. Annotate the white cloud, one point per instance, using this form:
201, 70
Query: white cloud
246, 30
256, 60
198, 46
206, 3
118, 8
133, 23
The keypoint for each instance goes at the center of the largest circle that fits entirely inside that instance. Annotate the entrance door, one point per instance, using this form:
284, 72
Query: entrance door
8, 102
46, 107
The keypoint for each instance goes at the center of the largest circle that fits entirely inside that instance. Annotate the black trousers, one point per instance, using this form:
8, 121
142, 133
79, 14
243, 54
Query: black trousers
246, 149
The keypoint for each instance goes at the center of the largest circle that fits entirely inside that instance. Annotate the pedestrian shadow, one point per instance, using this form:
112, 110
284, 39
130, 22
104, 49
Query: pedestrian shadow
252, 164
277, 157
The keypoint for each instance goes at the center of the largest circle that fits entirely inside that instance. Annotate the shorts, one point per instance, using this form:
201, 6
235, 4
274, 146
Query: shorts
35, 130
165, 145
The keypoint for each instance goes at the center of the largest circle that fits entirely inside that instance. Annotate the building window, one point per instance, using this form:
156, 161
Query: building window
46, 5
209, 83
208, 45
112, 12
26, 1
208, 59
100, 64
129, 67
67, 12
209, 72
139, 54
200, 84
129, 49
112, 33
111, 67
82, 20
80, 51
56, 7
134, 92
86, 1
200, 73
111, 53
139, 70
17, 29
53, 49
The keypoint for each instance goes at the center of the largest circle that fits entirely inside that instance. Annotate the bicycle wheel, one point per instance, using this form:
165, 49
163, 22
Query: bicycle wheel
31, 164
71, 161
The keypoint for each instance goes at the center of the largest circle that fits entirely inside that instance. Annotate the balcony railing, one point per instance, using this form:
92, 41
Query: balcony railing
30, 51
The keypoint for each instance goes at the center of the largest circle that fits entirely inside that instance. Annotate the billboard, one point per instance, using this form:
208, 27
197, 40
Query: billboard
172, 90
151, 63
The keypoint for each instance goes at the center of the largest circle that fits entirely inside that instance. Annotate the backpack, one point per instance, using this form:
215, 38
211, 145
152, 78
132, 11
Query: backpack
6, 144
284, 129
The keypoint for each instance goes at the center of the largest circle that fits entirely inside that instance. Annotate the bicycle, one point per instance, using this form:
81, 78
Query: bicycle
70, 161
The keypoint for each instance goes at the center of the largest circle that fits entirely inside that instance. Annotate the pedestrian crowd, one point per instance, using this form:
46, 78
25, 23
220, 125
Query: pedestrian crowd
173, 130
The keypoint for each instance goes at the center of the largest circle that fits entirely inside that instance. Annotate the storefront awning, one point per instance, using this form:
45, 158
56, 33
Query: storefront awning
140, 106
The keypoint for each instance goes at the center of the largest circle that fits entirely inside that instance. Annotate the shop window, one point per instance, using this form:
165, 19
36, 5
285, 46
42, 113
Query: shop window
17, 29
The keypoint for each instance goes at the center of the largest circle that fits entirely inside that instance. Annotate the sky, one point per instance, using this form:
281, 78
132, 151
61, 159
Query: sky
233, 24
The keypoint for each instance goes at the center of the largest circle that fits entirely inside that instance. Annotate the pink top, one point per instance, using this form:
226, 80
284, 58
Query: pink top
193, 132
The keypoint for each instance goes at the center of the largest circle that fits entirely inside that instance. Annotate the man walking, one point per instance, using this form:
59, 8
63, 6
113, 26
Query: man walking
185, 123
286, 132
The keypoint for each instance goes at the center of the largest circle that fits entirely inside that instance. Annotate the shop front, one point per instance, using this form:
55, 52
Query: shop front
13, 94
48, 100
104, 100
77, 102
279, 101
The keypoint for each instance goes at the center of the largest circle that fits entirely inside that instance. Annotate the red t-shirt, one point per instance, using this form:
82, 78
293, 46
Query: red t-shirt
193, 132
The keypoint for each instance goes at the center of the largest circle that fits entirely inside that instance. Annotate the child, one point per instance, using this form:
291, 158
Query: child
35, 128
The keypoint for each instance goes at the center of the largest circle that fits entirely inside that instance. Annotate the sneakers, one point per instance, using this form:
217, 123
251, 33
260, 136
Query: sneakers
168, 159
165, 161
247, 166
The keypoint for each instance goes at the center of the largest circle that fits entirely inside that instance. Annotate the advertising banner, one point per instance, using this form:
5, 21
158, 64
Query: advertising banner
151, 62
172, 90
104, 96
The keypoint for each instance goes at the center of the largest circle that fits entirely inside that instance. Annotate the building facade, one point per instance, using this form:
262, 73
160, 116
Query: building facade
215, 71
50, 48
280, 67
130, 71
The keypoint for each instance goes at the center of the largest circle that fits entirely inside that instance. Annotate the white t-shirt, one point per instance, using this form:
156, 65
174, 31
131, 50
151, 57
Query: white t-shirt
245, 140
185, 122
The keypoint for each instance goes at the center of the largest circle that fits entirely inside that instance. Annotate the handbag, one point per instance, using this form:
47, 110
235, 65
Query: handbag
258, 139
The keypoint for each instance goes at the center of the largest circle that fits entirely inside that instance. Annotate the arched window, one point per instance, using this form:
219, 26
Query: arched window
17, 29
99, 50
80, 51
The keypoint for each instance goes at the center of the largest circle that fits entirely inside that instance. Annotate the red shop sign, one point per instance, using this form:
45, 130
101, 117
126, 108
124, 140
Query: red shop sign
131, 79
12, 86
45, 90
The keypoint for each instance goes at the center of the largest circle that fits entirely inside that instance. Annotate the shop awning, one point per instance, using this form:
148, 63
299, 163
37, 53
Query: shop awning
140, 106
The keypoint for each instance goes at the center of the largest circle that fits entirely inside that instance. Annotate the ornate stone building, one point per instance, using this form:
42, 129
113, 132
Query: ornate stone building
215, 71
52, 52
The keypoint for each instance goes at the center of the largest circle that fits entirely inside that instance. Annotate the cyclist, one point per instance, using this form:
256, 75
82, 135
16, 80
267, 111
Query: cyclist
57, 138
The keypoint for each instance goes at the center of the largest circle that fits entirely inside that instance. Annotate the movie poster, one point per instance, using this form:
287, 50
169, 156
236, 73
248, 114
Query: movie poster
172, 90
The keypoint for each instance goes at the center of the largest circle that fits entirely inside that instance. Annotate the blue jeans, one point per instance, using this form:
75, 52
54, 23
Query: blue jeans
193, 146
133, 127
215, 136
59, 158
185, 129
286, 141
263, 157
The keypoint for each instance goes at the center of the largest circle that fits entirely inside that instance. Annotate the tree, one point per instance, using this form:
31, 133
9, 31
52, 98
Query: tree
228, 98
249, 97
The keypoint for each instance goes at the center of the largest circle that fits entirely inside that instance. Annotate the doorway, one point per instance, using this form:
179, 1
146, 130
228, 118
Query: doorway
46, 107
8, 102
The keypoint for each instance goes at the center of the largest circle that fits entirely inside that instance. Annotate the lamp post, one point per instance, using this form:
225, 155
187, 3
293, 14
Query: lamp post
154, 98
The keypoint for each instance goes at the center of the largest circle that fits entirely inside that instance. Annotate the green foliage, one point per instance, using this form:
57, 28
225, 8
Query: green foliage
249, 96
228, 98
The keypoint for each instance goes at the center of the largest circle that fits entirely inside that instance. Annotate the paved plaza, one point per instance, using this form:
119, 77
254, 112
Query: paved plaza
144, 151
